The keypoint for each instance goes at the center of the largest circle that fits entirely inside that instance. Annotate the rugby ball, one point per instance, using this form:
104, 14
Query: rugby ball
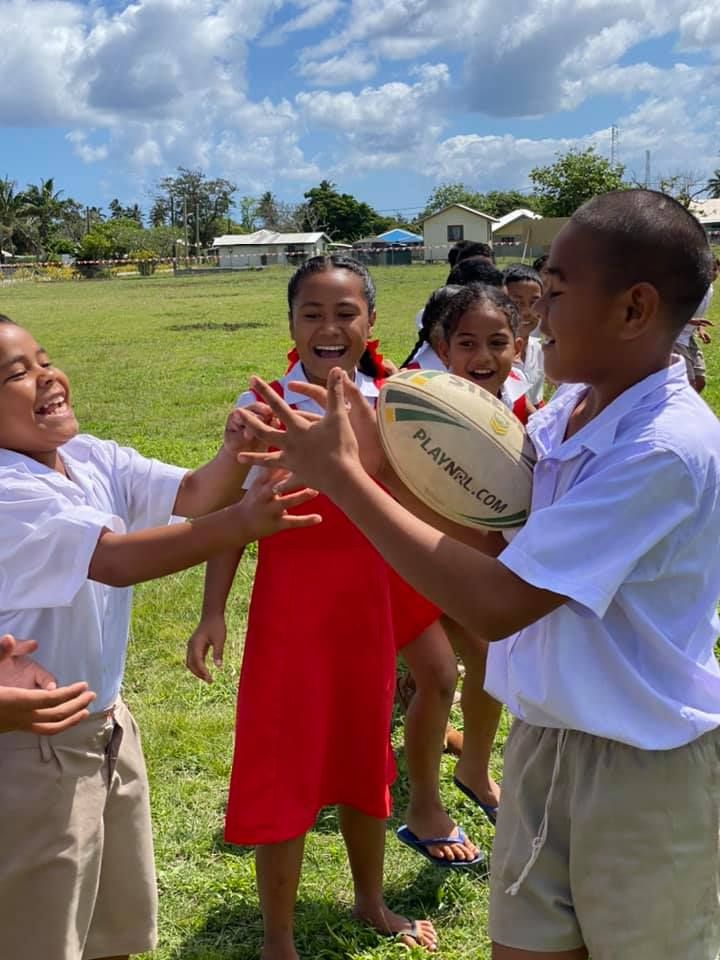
457, 448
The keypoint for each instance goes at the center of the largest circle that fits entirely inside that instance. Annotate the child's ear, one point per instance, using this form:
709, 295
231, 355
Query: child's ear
443, 351
519, 347
372, 318
290, 326
642, 307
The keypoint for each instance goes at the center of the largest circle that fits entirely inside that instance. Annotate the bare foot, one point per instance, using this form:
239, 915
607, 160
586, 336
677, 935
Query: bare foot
484, 787
436, 823
413, 933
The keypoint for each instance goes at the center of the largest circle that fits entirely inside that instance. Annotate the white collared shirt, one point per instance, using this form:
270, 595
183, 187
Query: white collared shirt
427, 358
533, 368
625, 521
49, 528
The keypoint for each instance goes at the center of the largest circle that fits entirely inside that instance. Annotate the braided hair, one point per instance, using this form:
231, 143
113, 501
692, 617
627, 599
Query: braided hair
432, 313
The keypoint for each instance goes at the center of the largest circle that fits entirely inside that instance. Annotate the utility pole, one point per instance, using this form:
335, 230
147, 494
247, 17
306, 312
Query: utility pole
185, 227
614, 145
647, 169
197, 229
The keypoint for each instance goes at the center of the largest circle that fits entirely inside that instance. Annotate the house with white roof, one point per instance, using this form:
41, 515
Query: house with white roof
708, 213
448, 226
267, 248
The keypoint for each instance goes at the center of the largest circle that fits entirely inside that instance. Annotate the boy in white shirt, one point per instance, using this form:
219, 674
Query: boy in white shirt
604, 604
82, 519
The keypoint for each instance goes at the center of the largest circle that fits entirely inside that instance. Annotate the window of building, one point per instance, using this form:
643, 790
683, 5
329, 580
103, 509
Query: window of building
455, 233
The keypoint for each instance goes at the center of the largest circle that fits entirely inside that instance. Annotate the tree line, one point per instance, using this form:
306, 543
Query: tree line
189, 209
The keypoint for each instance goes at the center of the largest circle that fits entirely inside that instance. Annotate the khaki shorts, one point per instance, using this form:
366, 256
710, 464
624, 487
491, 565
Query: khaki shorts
77, 879
630, 865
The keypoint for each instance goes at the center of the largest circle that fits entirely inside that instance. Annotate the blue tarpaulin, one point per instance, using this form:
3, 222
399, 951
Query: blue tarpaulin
399, 235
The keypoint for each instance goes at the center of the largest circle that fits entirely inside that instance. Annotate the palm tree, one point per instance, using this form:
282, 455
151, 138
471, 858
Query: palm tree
713, 185
16, 224
43, 203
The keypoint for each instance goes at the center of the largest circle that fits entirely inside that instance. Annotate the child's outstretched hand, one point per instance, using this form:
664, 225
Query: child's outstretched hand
210, 634
265, 511
237, 437
319, 454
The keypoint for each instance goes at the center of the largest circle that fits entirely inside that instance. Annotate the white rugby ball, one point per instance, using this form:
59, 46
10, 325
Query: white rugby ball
457, 448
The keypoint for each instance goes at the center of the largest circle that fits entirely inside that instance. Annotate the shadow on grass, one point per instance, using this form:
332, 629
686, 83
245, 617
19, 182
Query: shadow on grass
323, 929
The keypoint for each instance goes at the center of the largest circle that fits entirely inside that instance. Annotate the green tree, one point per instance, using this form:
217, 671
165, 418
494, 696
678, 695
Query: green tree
713, 185
576, 176
269, 212
685, 186
112, 240
18, 232
446, 194
197, 204
340, 215
43, 203
248, 208
499, 202
119, 212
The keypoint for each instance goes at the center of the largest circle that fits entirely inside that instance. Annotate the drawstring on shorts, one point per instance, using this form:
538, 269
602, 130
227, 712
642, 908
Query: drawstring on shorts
539, 841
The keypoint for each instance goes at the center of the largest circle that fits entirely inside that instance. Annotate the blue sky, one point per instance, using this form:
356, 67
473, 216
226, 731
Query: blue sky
387, 99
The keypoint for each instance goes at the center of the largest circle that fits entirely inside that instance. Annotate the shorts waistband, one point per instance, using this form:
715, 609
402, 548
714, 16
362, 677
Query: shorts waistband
86, 729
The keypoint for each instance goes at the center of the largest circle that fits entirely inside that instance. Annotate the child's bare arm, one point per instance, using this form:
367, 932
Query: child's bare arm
219, 482
211, 632
124, 559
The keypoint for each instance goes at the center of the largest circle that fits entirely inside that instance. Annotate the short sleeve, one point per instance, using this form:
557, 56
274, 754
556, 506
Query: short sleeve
46, 546
150, 487
585, 544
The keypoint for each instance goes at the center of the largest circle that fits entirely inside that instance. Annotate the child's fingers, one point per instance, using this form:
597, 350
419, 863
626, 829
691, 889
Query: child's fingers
281, 410
265, 458
195, 659
51, 706
269, 435
290, 500
337, 382
312, 390
44, 679
7, 646
289, 520
24, 647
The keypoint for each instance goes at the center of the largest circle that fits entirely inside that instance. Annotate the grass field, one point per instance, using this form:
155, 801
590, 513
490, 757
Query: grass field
156, 363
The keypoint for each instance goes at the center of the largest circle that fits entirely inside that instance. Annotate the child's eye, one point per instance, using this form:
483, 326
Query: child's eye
16, 375
46, 364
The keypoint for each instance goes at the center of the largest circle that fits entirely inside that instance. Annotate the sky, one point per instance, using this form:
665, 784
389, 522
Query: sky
386, 98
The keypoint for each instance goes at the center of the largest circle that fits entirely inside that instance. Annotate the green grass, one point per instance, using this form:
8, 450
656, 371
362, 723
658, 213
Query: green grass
155, 364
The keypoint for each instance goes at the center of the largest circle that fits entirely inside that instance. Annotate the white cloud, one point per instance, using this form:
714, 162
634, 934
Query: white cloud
352, 67
84, 150
314, 14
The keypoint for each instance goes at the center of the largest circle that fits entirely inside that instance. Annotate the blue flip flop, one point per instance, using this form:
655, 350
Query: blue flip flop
488, 809
406, 836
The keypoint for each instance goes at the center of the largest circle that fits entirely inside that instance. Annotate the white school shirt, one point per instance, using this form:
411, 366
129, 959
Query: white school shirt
49, 528
426, 358
690, 328
625, 521
533, 368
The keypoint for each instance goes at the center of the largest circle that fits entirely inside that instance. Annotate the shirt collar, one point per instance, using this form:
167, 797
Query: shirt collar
547, 426
367, 386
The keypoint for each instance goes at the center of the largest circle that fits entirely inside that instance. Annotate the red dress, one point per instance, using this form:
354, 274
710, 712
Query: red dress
327, 615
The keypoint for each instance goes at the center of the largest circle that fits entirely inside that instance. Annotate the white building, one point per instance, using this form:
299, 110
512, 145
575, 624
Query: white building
447, 227
267, 248
708, 213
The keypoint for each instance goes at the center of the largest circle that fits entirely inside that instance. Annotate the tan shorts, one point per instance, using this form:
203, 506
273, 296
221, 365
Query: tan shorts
630, 866
77, 878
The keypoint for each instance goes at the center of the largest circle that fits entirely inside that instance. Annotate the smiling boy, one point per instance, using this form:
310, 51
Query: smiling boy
602, 608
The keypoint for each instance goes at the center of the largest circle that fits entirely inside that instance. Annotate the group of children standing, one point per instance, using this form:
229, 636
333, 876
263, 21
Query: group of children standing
616, 686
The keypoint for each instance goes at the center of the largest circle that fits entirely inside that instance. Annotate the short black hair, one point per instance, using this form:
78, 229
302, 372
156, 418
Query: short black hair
454, 252
643, 236
471, 295
539, 264
475, 248
519, 273
5, 319
432, 315
478, 270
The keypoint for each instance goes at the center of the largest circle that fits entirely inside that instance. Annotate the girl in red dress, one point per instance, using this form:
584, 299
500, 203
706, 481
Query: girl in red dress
326, 618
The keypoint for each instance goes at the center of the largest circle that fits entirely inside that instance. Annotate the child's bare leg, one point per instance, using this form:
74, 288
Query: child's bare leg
365, 841
512, 953
278, 874
432, 664
481, 715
